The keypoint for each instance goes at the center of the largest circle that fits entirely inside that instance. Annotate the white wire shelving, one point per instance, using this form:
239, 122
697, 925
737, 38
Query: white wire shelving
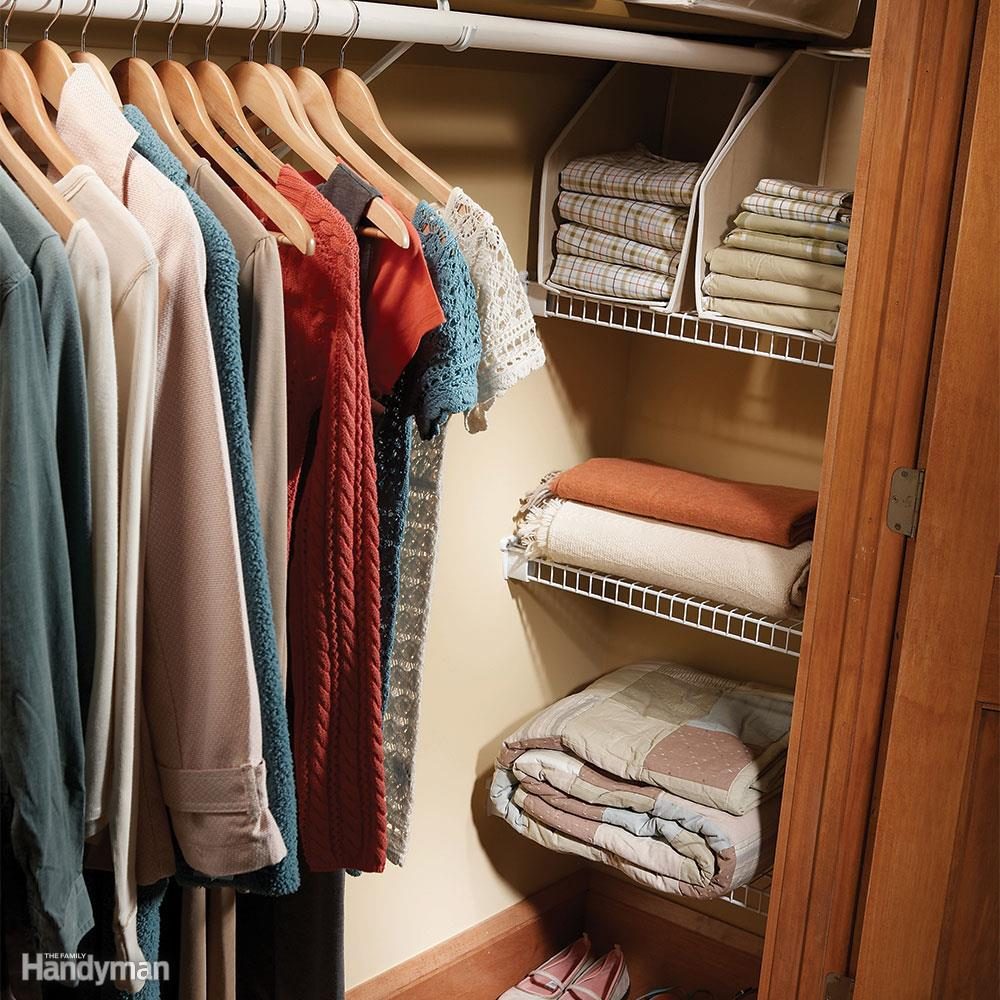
755, 896
687, 328
783, 635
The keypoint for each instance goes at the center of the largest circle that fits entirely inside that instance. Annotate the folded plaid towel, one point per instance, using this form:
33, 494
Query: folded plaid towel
636, 174
822, 251
821, 323
654, 225
806, 192
776, 292
834, 231
667, 773
770, 267
579, 241
790, 208
615, 280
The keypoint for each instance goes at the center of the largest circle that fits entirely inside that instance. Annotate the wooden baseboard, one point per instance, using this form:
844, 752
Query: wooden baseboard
665, 944
668, 944
482, 962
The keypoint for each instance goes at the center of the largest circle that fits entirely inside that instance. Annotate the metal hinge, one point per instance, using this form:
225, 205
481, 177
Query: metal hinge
838, 987
905, 492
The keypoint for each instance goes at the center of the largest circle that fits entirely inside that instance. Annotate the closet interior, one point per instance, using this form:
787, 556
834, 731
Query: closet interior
616, 253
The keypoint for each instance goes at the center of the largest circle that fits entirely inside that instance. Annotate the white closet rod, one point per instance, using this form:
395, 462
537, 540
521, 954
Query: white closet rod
390, 22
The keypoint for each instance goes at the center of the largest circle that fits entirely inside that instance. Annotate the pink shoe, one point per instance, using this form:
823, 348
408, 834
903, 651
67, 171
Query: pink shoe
553, 977
604, 980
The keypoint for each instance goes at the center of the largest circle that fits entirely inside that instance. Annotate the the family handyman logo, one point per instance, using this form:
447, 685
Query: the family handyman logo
57, 967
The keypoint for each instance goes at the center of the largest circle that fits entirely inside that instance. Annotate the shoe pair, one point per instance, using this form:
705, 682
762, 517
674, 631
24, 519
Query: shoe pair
574, 974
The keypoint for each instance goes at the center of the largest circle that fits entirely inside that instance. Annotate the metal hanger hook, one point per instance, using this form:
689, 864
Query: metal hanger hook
277, 30
310, 31
48, 27
173, 27
6, 22
144, 7
86, 24
353, 32
258, 25
217, 19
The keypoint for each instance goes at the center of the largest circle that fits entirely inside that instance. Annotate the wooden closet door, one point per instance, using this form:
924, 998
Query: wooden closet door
930, 915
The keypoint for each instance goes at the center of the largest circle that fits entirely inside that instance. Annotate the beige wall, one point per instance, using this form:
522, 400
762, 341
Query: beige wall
496, 654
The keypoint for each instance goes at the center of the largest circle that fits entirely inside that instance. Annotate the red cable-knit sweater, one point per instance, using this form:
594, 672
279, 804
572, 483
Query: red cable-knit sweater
333, 580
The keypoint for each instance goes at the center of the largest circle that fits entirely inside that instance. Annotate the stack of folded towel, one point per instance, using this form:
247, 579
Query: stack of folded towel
783, 264
624, 217
671, 775
741, 544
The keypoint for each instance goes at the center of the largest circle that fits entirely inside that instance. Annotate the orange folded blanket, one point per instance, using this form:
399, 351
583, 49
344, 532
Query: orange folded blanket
779, 515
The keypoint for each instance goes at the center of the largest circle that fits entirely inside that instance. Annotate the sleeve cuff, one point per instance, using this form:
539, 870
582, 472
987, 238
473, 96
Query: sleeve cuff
221, 819
60, 923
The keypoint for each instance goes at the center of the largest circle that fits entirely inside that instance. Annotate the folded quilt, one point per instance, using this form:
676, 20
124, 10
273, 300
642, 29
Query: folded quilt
580, 241
667, 773
778, 515
654, 225
821, 251
834, 231
822, 323
737, 572
806, 192
599, 278
791, 208
776, 292
636, 174
770, 267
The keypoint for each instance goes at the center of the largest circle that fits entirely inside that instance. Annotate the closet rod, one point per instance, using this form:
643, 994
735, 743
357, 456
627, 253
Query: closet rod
454, 29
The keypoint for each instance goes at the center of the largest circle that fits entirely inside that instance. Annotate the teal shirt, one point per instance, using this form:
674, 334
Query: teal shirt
41, 733
41, 249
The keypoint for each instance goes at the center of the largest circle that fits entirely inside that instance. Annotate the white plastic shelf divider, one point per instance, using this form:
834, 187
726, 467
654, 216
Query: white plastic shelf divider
784, 635
687, 328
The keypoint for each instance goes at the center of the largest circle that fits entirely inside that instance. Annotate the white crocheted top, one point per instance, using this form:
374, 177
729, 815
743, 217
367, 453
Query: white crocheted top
511, 348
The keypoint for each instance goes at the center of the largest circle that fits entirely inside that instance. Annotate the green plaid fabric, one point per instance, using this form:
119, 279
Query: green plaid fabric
579, 241
822, 251
806, 192
789, 208
654, 225
834, 231
636, 174
595, 277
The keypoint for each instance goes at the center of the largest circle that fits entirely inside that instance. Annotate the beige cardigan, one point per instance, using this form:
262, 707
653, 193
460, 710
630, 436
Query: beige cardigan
199, 716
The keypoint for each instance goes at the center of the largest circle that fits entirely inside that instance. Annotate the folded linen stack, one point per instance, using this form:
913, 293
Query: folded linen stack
624, 218
740, 544
783, 263
671, 775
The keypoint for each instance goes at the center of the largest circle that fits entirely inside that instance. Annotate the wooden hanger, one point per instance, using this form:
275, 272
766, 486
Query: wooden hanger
355, 102
81, 55
56, 209
139, 85
51, 66
189, 108
21, 98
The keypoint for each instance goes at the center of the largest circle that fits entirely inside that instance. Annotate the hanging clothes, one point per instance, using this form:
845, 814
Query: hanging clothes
41, 732
511, 349
333, 570
440, 381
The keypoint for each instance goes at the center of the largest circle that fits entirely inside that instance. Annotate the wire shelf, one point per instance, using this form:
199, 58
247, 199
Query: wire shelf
688, 328
783, 635
755, 896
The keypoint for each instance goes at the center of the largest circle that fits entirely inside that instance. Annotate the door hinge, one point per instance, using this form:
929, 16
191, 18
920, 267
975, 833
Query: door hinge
838, 987
905, 492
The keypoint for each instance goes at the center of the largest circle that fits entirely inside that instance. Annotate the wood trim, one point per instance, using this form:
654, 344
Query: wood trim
905, 176
918, 839
486, 959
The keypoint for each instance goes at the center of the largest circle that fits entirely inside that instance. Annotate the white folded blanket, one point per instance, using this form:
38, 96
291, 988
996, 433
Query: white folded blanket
734, 571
